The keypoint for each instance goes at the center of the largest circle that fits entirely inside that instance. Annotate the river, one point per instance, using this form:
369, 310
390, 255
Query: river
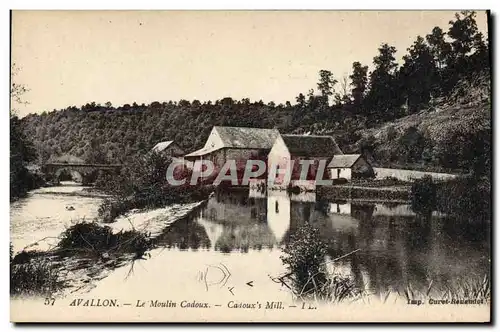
47, 212
232, 244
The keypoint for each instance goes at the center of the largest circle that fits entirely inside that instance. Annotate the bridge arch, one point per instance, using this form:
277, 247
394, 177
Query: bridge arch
74, 174
88, 172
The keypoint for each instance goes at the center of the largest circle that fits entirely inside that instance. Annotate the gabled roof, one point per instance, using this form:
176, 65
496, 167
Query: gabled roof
201, 152
162, 146
344, 161
311, 145
245, 137
240, 137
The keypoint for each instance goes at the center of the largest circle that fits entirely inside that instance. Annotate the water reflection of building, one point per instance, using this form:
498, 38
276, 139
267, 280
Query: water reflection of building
278, 213
395, 246
235, 207
237, 221
213, 230
342, 207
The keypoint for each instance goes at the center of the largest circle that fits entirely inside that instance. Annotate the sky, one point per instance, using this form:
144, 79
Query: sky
71, 58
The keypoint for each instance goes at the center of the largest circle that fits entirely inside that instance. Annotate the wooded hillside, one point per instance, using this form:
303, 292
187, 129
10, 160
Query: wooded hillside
431, 111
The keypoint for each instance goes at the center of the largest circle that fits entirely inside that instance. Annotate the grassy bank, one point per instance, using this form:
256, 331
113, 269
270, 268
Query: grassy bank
150, 198
361, 191
37, 273
31, 275
142, 184
89, 246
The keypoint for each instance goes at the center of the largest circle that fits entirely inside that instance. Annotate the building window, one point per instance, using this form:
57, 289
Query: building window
338, 173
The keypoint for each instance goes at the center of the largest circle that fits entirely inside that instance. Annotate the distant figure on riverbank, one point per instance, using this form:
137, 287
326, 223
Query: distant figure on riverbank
70, 208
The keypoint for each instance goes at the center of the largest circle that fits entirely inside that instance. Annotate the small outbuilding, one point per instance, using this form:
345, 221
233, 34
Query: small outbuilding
348, 166
169, 148
289, 150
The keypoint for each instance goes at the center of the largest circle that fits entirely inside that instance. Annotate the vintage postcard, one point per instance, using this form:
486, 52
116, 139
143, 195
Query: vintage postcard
250, 166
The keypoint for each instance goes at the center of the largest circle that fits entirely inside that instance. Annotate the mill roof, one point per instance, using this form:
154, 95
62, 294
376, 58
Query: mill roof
162, 146
242, 138
311, 145
245, 137
343, 161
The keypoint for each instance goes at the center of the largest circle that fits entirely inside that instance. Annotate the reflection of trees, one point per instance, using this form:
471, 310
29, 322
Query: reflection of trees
243, 238
396, 248
235, 207
185, 234
398, 251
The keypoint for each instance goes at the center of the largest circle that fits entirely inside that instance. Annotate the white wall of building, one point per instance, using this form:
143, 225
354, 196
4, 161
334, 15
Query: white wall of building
338, 173
278, 156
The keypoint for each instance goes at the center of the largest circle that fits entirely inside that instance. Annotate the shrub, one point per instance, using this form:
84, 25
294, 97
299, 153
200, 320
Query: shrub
32, 276
466, 197
411, 145
143, 184
92, 238
152, 197
423, 194
304, 257
392, 133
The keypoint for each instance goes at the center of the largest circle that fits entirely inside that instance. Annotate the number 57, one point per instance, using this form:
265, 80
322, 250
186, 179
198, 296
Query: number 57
49, 301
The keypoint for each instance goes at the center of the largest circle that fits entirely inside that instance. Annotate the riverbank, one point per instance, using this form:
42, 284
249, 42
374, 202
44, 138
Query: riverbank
371, 192
86, 252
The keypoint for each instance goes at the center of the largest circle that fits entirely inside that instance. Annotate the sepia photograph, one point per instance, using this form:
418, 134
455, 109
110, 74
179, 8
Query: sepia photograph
250, 166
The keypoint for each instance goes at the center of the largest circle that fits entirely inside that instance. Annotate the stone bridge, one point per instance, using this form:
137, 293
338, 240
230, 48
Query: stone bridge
87, 171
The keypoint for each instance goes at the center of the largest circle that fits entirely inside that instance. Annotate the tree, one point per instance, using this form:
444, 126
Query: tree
359, 81
301, 100
383, 97
304, 258
439, 47
326, 85
22, 151
411, 145
343, 97
385, 62
480, 60
95, 154
17, 90
418, 74
466, 41
463, 33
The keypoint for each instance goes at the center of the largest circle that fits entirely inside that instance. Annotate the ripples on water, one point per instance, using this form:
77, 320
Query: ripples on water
45, 213
245, 232
397, 246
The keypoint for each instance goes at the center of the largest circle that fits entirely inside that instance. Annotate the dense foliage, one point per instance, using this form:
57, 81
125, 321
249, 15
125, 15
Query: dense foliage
423, 195
22, 151
304, 257
466, 197
143, 184
433, 68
